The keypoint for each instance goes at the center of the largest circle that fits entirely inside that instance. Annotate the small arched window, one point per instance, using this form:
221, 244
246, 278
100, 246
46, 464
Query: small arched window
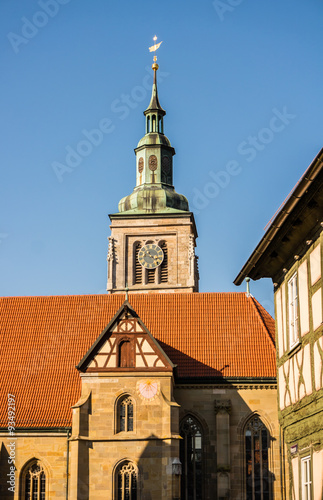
125, 414
256, 459
126, 482
191, 458
34, 482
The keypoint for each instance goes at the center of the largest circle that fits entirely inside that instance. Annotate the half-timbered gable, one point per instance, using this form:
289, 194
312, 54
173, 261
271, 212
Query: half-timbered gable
124, 345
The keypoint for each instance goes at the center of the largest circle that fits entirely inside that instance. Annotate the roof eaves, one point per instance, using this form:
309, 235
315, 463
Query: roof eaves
292, 200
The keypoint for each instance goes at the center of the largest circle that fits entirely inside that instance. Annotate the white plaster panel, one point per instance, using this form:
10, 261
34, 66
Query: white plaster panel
300, 384
317, 308
139, 361
146, 347
287, 366
112, 363
105, 349
279, 322
303, 298
292, 380
282, 387
139, 328
151, 359
160, 363
295, 478
296, 362
318, 474
318, 346
307, 373
100, 360
315, 263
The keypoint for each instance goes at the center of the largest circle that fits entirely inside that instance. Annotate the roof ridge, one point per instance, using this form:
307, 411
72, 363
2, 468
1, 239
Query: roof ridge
175, 294
256, 304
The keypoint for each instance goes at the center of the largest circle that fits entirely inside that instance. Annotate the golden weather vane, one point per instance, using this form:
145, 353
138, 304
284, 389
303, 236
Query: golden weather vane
153, 48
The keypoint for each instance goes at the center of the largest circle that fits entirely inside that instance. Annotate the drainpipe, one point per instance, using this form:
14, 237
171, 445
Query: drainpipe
67, 460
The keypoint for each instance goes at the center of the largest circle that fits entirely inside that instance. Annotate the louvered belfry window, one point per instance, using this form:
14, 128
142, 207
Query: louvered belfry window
164, 265
257, 471
137, 266
126, 482
35, 482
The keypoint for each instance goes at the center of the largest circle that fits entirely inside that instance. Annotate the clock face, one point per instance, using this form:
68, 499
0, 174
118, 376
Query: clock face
148, 389
150, 256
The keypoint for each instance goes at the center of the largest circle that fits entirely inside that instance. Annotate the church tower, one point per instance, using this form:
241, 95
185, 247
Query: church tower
153, 236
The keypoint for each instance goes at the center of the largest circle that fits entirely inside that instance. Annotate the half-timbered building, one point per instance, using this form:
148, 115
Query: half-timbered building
291, 254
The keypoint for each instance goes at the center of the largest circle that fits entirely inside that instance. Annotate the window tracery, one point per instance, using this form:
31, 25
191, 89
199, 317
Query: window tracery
34, 482
126, 482
125, 414
256, 459
191, 458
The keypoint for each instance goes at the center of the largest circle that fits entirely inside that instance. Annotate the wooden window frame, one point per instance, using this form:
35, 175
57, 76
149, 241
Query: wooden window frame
293, 316
306, 478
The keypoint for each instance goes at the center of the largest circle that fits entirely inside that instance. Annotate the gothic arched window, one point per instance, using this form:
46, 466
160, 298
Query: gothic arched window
191, 458
256, 456
137, 266
125, 414
163, 268
34, 482
126, 482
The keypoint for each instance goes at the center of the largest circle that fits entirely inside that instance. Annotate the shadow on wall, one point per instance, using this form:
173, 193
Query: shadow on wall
8, 473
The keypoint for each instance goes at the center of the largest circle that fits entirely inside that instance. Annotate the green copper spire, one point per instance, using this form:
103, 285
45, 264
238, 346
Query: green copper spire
154, 191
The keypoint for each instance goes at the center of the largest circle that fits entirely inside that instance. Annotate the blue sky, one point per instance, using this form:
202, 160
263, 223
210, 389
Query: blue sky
241, 82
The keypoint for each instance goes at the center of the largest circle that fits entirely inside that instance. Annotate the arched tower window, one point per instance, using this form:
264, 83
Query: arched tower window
125, 414
191, 458
126, 481
148, 125
256, 459
160, 124
163, 268
137, 266
34, 482
154, 123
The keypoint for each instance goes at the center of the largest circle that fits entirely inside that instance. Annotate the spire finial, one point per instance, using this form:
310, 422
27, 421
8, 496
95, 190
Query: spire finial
127, 291
153, 48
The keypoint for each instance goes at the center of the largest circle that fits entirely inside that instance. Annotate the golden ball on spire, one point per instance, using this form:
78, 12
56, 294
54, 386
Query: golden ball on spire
155, 66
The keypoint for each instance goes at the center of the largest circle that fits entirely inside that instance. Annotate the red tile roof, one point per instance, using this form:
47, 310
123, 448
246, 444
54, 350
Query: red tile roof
43, 338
